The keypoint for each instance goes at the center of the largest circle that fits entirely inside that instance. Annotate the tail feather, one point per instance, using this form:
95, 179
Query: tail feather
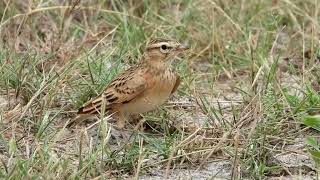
93, 107
89, 109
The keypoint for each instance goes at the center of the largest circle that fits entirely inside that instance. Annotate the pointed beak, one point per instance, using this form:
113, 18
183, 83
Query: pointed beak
183, 47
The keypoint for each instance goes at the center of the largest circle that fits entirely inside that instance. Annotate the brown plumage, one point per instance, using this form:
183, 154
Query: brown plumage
141, 88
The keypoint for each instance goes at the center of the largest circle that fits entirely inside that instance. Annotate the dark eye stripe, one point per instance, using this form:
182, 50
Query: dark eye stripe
156, 47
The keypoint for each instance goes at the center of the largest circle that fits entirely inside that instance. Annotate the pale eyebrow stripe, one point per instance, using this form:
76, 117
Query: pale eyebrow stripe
158, 45
152, 47
155, 45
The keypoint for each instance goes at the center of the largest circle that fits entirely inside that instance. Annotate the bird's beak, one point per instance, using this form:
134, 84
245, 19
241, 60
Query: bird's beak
183, 47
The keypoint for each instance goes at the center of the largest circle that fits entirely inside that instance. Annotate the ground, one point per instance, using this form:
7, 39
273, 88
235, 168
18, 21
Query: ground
247, 108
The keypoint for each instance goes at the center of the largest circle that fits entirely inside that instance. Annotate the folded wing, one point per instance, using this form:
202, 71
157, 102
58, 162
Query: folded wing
122, 90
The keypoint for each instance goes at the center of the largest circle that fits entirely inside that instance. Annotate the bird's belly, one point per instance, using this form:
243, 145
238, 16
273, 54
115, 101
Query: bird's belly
148, 102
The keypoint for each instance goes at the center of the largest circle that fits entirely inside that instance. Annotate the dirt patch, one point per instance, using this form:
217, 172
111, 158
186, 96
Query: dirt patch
219, 169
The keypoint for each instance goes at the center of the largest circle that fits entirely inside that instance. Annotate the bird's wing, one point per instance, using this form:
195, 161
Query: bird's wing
122, 90
177, 83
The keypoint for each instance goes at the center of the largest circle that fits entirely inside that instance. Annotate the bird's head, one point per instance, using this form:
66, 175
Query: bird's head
163, 51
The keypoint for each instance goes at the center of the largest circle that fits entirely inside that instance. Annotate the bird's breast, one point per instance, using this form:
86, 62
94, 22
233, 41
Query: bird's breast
158, 92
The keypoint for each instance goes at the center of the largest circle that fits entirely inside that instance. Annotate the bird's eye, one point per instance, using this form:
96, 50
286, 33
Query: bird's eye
164, 47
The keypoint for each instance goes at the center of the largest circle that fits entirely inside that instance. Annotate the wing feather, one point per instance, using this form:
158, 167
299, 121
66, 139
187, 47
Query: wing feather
121, 90
177, 83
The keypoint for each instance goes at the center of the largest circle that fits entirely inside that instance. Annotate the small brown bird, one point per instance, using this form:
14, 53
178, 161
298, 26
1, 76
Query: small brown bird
141, 88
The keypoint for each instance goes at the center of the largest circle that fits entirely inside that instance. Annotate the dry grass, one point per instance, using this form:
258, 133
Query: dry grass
249, 81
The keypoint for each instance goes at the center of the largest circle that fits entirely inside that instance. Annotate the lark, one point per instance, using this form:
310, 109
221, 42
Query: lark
142, 87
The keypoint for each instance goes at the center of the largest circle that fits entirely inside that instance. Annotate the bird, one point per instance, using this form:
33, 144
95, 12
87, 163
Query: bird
142, 87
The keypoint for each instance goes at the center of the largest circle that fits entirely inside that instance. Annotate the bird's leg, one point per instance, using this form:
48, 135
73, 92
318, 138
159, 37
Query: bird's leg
135, 118
139, 124
121, 120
